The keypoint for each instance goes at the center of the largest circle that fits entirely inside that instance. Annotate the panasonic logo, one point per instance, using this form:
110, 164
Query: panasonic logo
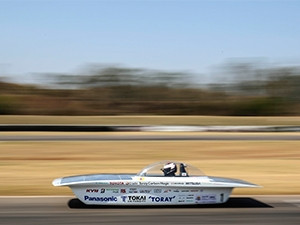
100, 199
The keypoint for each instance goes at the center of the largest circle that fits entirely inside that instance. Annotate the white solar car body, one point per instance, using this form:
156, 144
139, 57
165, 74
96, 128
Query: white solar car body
153, 186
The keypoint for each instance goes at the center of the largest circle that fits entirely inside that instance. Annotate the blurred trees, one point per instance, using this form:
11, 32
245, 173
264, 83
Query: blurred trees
247, 89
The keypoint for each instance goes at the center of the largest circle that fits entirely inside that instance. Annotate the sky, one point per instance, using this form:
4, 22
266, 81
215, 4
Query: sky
64, 36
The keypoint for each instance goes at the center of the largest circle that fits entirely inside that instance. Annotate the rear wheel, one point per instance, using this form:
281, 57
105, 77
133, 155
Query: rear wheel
75, 203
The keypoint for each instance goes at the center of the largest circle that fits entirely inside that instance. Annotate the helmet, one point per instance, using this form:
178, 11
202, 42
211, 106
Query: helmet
170, 169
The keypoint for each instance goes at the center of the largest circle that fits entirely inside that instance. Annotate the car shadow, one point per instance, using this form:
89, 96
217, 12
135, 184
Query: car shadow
235, 202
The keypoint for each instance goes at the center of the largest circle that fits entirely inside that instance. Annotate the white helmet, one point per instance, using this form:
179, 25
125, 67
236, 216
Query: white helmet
170, 169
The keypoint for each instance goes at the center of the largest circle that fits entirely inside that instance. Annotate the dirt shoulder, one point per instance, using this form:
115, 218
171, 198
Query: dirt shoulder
152, 120
28, 168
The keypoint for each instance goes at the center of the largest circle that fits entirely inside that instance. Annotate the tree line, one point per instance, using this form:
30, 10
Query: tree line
243, 89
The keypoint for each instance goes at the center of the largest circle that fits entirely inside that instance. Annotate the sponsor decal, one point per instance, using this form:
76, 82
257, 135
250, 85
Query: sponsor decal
145, 191
206, 198
124, 198
101, 183
138, 198
102, 190
167, 190
185, 191
123, 191
131, 183
161, 199
154, 183
117, 183
194, 190
181, 199
178, 183
193, 183
100, 199
133, 190
92, 190
157, 191
176, 190
113, 190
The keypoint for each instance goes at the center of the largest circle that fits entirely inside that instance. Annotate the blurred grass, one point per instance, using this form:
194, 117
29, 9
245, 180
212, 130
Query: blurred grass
28, 168
151, 120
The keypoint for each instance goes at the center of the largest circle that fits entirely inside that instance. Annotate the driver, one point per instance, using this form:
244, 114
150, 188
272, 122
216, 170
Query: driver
170, 169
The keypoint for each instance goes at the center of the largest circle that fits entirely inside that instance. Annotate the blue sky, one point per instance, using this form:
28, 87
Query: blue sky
66, 35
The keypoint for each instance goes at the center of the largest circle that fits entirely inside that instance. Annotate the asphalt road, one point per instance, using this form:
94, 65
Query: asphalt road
150, 137
239, 210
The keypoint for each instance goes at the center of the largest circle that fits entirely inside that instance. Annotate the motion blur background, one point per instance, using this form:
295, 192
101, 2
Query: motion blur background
254, 91
233, 58
140, 58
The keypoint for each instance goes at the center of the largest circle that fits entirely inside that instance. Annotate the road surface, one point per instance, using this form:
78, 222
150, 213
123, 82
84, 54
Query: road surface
239, 210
